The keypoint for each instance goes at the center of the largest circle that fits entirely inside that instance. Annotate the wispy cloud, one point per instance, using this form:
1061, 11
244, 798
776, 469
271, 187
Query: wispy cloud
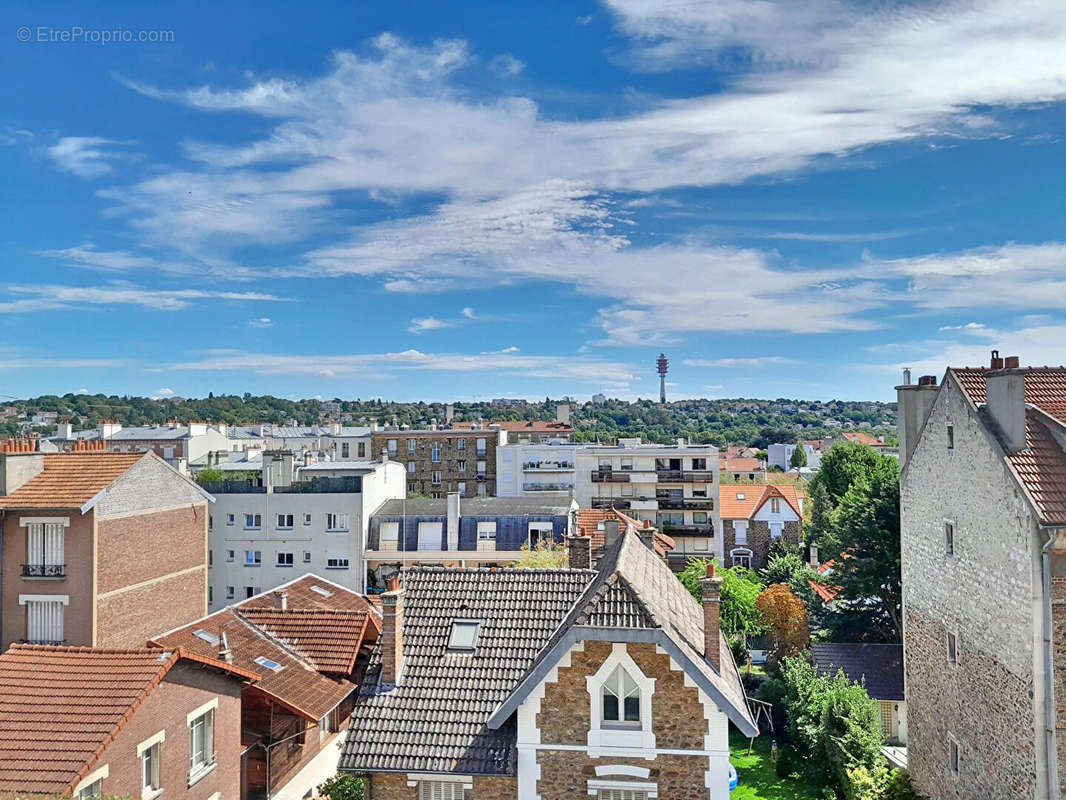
33, 298
86, 156
754, 361
261, 322
423, 324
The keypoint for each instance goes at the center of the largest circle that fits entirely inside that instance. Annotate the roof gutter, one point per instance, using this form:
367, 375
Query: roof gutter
1049, 687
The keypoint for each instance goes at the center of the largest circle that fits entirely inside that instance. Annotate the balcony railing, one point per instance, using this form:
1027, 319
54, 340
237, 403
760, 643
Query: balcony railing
685, 476
688, 530
691, 503
619, 502
607, 476
232, 487
44, 570
547, 487
548, 466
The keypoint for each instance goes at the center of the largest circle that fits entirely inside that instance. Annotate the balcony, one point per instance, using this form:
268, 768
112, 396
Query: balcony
547, 487
685, 476
548, 466
648, 503
606, 476
688, 530
689, 503
44, 570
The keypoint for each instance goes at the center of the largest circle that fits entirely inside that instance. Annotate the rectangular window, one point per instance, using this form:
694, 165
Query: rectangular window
700, 544
230, 519
361, 448
436, 479
461, 488
429, 535
345, 449
481, 447
210, 522
411, 467
229, 555
460, 444
440, 790
230, 593
699, 464
740, 531
951, 436
336, 522
307, 519
434, 453
284, 520
336, 561
627, 463
486, 531
307, 556
253, 521
253, 558
949, 537
389, 535
952, 649
464, 634
699, 517
210, 558
45, 556
285, 559
210, 595
92, 791
481, 469
776, 529
775, 505
202, 742
249, 591
411, 445
44, 621
150, 769
741, 558
953, 756
460, 466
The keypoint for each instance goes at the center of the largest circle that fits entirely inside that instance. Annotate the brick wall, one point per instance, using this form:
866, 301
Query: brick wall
759, 540
991, 701
185, 688
421, 480
131, 618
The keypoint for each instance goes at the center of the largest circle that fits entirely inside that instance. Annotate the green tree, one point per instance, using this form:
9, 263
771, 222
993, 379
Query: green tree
210, 475
738, 616
546, 554
344, 786
799, 456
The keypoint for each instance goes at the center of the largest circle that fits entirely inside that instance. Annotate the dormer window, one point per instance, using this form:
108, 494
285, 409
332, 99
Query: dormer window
464, 635
621, 700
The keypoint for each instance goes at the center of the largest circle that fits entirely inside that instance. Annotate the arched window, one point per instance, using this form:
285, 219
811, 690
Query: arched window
740, 557
621, 700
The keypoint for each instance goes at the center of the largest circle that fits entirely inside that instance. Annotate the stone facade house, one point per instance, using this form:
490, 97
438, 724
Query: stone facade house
307, 643
983, 550
550, 684
753, 516
98, 549
83, 722
439, 461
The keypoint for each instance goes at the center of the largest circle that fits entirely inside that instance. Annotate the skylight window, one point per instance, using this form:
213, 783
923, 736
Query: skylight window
263, 661
207, 636
741, 496
464, 634
321, 591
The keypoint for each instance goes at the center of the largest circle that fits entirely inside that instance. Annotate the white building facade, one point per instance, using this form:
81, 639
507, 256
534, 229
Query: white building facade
527, 469
301, 519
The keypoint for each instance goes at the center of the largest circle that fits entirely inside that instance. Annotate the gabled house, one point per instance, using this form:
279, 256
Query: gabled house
879, 667
307, 642
753, 517
84, 722
96, 548
602, 527
551, 684
983, 562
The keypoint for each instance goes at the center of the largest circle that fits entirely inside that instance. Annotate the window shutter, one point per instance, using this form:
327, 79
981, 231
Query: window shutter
35, 543
54, 534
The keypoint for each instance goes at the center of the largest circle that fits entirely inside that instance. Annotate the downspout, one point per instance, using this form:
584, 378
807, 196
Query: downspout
1049, 697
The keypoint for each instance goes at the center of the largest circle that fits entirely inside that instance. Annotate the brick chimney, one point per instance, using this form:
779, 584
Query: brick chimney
391, 633
914, 402
19, 462
1005, 401
579, 552
712, 592
283, 599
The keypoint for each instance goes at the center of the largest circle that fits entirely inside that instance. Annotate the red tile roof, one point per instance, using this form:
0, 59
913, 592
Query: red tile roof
520, 426
727, 464
258, 628
1041, 466
70, 480
743, 501
61, 706
858, 437
588, 520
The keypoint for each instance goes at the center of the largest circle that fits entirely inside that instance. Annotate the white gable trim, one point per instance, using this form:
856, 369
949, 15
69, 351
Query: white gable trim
414, 778
594, 786
622, 769
91, 778
635, 743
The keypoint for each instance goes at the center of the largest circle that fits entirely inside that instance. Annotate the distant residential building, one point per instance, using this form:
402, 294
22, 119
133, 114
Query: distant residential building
780, 455
306, 643
983, 552
535, 469
297, 519
742, 469
44, 419
529, 431
83, 723
98, 548
176, 443
611, 683
603, 525
753, 516
599, 399
879, 667
675, 486
440, 461
334, 441
479, 531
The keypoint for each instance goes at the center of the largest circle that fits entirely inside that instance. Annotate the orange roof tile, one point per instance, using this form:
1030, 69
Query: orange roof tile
858, 437
527, 425
70, 480
726, 464
588, 520
1045, 387
743, 501
257, 627
61, 706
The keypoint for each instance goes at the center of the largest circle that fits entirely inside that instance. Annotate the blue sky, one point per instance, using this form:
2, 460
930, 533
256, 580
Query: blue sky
456, 201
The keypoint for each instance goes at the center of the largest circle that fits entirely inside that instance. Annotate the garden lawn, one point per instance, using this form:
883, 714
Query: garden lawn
758, 774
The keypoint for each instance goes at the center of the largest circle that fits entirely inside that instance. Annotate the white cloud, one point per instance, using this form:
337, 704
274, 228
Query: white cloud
261, 322
62, 363
87, 256
421, 325
468, 312
164, 392
506, 65
974, 328
85, 156
757, 361
49, 297
506, 362
82, 391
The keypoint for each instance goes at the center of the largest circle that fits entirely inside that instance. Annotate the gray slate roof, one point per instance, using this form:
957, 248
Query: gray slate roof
880, 665
435, 719
475, 507
453, 712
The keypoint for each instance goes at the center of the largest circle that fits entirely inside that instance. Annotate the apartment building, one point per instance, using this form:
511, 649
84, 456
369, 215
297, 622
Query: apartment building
674, 486
479, 531
983, 555
439, 461
307, 518
741, 470
98, 548
82, 722
532, 469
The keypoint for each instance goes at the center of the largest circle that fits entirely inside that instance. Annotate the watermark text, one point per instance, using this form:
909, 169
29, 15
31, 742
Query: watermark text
77, 34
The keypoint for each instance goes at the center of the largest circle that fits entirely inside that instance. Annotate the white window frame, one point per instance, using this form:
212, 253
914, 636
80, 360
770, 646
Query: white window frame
740, 552
336, 522
256, 522
231, 519
153, 788
231, 592
285, 522
206, 712
624, 742
307, 519
32, 600
411, 467
338, 558
87, 783
411, 444
253, 558
45, 542
740, 531
776, 530
278, 559
460, 444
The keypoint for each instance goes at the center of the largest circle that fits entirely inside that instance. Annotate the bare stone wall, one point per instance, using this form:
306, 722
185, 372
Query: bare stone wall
984, 593
565, 774
388, 786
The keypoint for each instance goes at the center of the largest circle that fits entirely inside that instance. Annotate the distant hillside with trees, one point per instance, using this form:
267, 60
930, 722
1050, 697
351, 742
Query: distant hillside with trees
754, 422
